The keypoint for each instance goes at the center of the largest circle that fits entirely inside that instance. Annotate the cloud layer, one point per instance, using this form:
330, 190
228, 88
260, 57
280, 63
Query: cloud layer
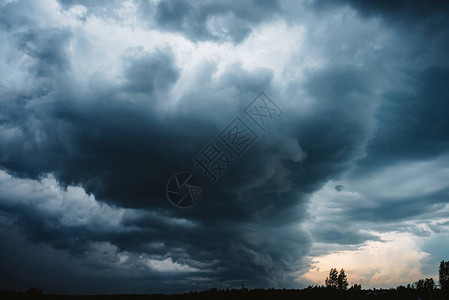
101, 103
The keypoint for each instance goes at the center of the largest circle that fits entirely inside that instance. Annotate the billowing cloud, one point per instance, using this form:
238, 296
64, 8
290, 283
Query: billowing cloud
101, 103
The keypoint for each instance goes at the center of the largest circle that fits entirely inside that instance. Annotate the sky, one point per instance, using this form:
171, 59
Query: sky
103, 102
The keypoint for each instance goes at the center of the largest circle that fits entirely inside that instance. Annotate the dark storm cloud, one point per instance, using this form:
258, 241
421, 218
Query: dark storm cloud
150, 73
330, 233
339, 188
410, 122
98, 270
90, 4
101, 8
233, 19
409, 208
112, 142
48, 48
422, 25
406, 122
120, 150
335, 131
402, 10
122, 140
196, 20
413, 120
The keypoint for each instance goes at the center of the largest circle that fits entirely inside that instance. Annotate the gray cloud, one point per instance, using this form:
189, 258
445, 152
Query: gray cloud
112, 142
202, 20
372, 101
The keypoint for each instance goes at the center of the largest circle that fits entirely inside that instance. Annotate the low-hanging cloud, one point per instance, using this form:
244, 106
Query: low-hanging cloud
93, 125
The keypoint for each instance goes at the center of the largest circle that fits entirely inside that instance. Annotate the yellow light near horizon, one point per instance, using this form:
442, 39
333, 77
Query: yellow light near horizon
396, 260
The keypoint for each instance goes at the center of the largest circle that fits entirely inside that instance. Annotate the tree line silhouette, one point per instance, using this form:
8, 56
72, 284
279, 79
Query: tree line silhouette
335, 287
335, 280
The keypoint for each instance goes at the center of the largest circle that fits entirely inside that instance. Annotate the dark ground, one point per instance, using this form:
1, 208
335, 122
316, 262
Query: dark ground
308, 293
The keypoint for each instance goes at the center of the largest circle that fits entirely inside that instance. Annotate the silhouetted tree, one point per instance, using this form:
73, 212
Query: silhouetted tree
332, 280
356, 292
342, 281
425, 288
425, 284
444, 278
